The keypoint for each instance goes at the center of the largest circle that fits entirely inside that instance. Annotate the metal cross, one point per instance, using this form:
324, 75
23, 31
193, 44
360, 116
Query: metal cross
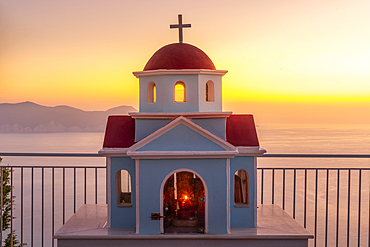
180, 26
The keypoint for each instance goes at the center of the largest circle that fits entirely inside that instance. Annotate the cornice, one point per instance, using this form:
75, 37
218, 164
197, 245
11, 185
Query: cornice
250, 151
137, 74
113, 152
241, 151
173, 115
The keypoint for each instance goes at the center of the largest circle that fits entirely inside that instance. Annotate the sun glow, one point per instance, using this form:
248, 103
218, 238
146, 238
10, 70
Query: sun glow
289, 52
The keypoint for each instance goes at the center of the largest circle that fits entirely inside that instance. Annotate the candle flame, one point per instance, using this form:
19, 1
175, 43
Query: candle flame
186, 197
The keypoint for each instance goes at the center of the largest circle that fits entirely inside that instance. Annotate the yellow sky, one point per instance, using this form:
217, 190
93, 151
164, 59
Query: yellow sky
287, 57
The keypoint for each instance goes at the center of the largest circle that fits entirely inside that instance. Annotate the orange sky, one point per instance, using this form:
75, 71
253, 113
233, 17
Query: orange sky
288, 60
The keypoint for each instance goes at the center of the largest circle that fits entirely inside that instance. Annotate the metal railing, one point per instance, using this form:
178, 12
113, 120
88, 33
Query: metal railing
332, 203
45, 197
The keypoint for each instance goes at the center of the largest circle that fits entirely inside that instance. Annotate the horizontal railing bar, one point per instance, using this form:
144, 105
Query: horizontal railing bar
316, 155
264, 155
42, 166
53, 154
314, 168
265, 168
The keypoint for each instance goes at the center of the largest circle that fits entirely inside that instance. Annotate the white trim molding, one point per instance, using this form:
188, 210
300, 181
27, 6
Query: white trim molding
173, 115
111, 152
250, 151
137, 74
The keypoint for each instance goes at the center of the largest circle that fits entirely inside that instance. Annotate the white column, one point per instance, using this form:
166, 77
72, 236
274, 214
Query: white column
108, 189
137, 196
228, 195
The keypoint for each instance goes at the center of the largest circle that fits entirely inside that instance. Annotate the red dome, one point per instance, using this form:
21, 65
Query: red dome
179, 56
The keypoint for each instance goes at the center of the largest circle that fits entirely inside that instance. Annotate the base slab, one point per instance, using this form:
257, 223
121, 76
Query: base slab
88, 227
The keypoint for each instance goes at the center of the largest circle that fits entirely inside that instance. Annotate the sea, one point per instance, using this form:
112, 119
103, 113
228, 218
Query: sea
276, 139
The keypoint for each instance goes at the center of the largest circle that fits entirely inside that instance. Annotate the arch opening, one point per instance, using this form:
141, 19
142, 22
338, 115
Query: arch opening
241, 188
210, 91
180, 92
184, 204
152, 92
123, 188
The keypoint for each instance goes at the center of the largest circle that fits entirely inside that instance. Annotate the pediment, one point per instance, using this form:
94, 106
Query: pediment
182, 138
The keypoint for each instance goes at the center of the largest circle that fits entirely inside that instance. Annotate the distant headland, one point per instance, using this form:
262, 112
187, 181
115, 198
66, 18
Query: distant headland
31, 117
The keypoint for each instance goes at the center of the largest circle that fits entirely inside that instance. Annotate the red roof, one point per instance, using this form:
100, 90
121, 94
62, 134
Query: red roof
120, 131
179, 56
241, 130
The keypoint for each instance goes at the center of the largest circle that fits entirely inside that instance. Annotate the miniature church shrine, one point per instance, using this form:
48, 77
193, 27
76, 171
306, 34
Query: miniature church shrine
181, 165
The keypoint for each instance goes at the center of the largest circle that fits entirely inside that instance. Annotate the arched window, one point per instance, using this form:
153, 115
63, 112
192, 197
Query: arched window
210, 91
152, 92
180, 92
123, 188
241, 188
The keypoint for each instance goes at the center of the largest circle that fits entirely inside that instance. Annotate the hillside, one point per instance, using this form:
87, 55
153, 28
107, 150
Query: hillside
31, 117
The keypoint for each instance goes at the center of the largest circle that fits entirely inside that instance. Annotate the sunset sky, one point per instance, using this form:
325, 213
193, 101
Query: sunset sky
288, 60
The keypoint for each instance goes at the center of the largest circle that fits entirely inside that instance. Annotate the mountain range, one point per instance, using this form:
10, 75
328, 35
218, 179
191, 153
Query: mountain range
31, 117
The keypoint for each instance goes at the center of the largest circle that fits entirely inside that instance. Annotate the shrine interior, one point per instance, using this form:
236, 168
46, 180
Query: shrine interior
184, 204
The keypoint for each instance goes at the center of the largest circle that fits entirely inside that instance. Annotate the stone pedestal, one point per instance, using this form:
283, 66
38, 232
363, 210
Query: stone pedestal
88, 227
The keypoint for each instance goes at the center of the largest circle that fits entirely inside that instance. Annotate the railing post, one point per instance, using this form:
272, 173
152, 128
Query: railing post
273, 186
283, 188
32, 206
11, 206
359, 210
349, 205
294, 191
74, 190
1, 207
315, 233
42, 207
338, 189
305, 198
262, 185
21, 206
96, 185
85, 185
64, 195
327, 207
52, 205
